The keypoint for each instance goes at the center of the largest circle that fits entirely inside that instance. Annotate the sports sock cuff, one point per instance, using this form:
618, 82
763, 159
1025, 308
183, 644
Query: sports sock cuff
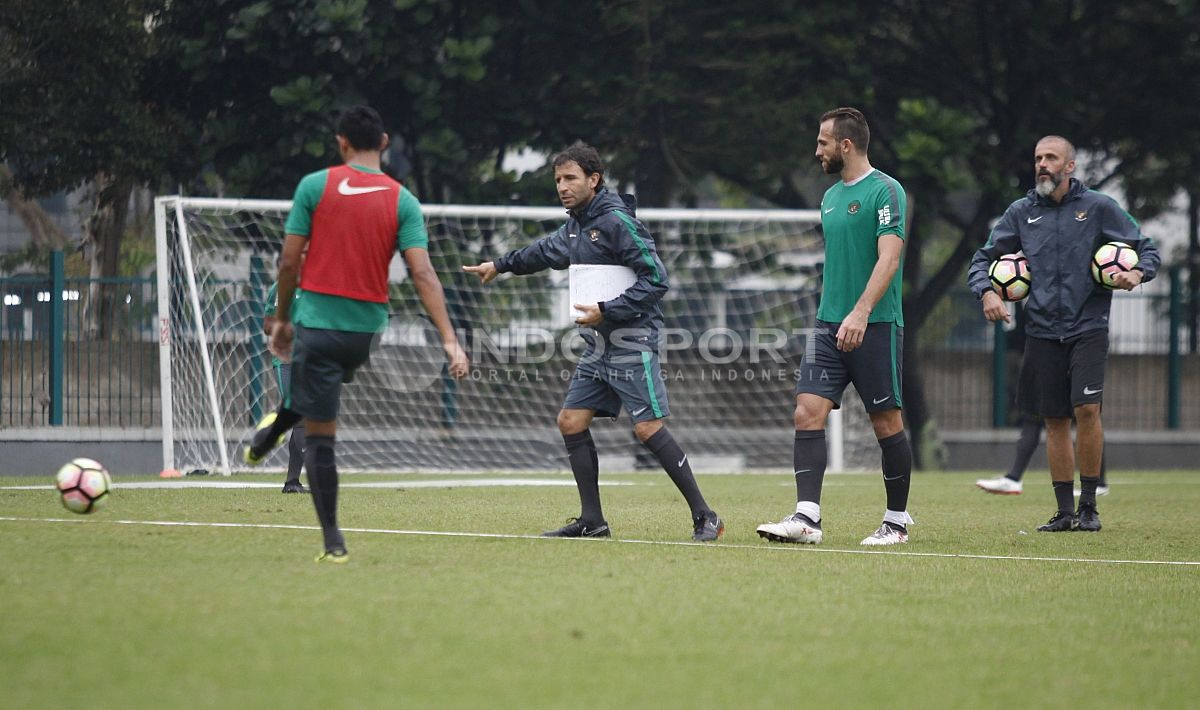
893, 440
659, 439
810, 510
811, 434
573, 440
901, 518
322, 448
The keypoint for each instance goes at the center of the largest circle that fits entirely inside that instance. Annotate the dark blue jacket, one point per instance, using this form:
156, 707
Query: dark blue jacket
606, 232
1059, 240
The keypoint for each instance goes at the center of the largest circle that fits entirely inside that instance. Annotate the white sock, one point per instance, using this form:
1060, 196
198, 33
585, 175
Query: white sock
898, 518
810, 510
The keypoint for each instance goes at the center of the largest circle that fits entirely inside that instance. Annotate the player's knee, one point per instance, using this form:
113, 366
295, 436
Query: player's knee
1087, 414
1056, 425
886, 426
569, 423
807, 419
645, 430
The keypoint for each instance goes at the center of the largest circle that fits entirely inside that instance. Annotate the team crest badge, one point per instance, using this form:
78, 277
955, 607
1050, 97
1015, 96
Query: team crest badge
1080, 215
594, 235
853, 208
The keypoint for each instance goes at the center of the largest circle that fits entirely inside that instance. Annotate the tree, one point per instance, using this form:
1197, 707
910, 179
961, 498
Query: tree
83, 111
968, 91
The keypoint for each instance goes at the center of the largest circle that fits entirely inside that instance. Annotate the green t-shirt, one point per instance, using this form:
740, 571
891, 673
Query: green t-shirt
321, 310
853, 218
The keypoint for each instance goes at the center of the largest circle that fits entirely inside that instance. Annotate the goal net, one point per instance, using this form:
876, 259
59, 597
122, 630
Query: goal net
744, 287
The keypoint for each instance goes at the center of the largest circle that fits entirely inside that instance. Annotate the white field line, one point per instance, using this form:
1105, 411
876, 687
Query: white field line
444, 483
801, 549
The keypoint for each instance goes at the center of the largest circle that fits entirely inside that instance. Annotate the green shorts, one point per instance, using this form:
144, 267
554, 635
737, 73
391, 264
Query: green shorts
626, 379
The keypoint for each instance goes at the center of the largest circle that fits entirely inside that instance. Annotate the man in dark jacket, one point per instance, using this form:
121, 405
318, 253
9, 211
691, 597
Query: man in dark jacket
621, 364
1059, 225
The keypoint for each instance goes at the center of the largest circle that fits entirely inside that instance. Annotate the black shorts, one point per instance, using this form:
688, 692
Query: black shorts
1059, 375
627, 379
875, 367
321, 361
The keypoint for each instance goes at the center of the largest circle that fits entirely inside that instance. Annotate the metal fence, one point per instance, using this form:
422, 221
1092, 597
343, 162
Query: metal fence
970, 367
95, 362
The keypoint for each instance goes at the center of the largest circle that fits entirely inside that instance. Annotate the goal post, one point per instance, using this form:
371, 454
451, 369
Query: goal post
744, 287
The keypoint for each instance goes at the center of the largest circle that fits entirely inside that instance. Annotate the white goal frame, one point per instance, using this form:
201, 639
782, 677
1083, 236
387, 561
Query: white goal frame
173, 206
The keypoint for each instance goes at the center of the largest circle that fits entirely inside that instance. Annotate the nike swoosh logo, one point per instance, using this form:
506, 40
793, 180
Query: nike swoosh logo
881, 400
344, 188
828, 210
803, 470
637, 412
893, 478
679, 464
1087, 390
1031, 220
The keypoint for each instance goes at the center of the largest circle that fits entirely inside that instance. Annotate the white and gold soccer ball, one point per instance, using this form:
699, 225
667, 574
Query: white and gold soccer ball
1010, 276
1112, 259
83, 485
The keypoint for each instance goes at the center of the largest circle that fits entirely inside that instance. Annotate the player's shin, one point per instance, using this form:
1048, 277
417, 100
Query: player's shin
671, 457
581, 452
809, 460
296, 453
320, 461
897, 470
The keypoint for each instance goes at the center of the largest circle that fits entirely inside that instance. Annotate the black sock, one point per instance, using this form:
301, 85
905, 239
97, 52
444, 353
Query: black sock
585, 464
264, 440
1087, 490
295, 454
809, 459
897, 470
320, 461
671, 457
1031, 434
1064, 493
1103, 470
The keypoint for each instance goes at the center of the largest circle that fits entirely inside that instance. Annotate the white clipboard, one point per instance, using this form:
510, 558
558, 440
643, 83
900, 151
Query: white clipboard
595, 283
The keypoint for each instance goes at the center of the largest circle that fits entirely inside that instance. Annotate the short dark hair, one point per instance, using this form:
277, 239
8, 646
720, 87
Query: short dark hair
1069, 145
584, 156
849, 123
362, 127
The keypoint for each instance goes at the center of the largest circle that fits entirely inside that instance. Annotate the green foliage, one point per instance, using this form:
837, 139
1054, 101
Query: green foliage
79, 95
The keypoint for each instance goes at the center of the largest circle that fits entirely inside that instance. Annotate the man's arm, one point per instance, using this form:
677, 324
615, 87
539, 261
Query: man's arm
638, 253
854, 326
429, 288
1120, 226
549, 252
1005, 238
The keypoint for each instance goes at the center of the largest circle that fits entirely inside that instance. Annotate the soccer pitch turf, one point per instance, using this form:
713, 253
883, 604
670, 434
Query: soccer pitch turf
120, 610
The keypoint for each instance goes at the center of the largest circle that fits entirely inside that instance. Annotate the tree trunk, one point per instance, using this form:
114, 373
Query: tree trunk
103, 232
44, 230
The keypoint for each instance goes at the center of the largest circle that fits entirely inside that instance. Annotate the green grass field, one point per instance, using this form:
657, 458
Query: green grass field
977, 611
